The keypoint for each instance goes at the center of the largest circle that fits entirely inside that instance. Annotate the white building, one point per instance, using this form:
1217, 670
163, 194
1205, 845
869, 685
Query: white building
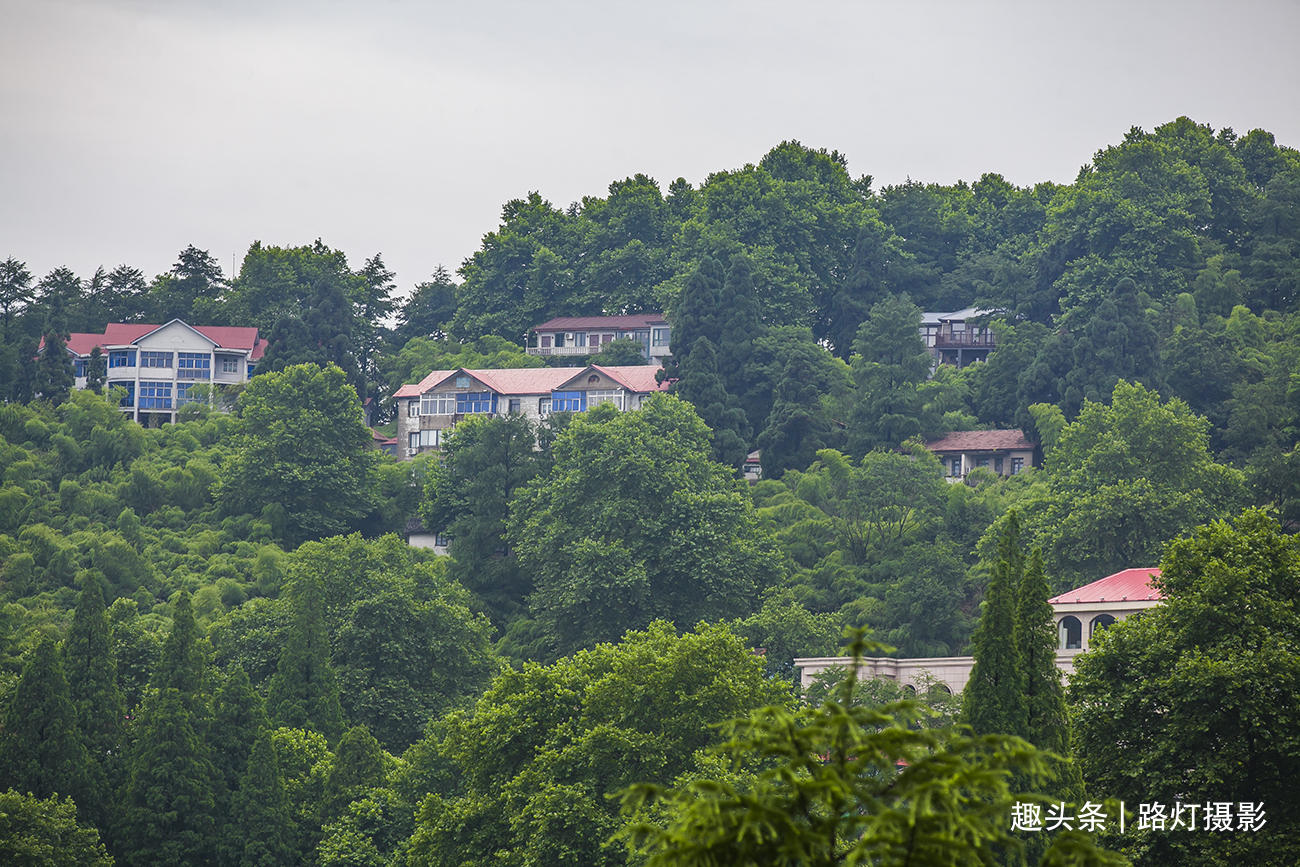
160, 365
1079, 615
587, 335
427, 410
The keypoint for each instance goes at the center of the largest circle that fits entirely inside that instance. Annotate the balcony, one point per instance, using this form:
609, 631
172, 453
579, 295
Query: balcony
563, 350
193, 373
983, 339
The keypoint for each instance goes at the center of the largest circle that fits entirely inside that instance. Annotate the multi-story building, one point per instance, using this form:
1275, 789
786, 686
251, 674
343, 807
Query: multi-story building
960, 337
586, 335
159, 365
427, 410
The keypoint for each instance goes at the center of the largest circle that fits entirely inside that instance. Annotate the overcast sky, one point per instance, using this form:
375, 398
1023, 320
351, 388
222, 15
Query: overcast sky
131, 129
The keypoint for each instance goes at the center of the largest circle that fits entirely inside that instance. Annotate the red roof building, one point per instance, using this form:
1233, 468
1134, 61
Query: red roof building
1082, 612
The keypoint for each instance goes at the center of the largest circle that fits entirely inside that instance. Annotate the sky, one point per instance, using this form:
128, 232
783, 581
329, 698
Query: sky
129, 130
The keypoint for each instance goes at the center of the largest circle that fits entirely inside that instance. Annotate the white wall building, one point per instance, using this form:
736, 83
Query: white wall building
587, 335
160, 365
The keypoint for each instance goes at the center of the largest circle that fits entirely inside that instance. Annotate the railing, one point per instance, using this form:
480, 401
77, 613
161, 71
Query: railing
563, 350
965, 338
193, 373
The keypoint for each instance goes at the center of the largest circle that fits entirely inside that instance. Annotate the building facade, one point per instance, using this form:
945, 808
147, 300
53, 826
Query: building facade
429, 409
1004, 452
160, 367
1079, 614
586, 335
961, 337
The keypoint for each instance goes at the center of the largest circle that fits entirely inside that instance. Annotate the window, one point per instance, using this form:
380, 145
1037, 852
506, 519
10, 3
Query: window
606, 395
425, 439
252, 365
515, 406
229, 364
79, 365
544, 407
982, 462
129, 386
462, 382
413, 409
1017, 466
956, 466
1100, 623
662, 336
121, 358
155, 395
183, 393
155, 359
476, 401
559, 340
437, 404
441, 540
546, 341
997, 466
193, 365
1071, 633
568, 401
580, 339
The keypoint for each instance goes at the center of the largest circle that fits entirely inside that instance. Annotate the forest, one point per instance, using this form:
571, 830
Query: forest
217, 647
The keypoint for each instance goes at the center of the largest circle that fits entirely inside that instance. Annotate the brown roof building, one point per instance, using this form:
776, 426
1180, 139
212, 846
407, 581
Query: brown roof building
1005, 452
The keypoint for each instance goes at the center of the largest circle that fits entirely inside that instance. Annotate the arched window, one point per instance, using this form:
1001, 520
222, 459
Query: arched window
1100, 622
1071, 631
939, 688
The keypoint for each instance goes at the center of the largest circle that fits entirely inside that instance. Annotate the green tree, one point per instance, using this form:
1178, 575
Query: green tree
238, 720
890, 365
15, 290
706, 390
467, 496
798, 427
169, 802
54, 376
304, 692
261, 813
96, 371
993, 701
300, 444
182, 665
634, 523
1211, 676
41, 748
429, 310
45, 833
358, 767
843, 783
92, 683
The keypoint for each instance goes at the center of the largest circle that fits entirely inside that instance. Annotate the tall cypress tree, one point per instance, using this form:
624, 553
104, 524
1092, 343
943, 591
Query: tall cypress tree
741, 326
92, 685
304, 692
797, 427
96, 371
54, 375
993, 701
181, 666
238, 716
696, 313
889, 368
1047, 724
260, 814
41, 750
358, 766
703, 386
169, 801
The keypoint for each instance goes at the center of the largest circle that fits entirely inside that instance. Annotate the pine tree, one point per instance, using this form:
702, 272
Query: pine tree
181, 666
703, 387
358, 766
92, 684
238, 716
41, 749
696, 313
169, 800
260, 814
304, 692
890, 365
741, 326
54, 375
993, 701
797, 427
1047, 724
96, 372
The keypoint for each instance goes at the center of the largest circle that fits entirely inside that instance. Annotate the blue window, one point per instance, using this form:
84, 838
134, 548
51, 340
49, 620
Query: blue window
183, 395
80, 364
121, 358
193, 365
155, 359
129, 385
252, 365
155, 395
476, 401
568, 401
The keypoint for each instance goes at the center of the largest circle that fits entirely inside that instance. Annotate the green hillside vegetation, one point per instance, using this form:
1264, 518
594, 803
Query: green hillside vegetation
215, 640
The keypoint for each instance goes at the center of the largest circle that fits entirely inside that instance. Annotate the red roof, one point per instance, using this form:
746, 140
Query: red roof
614, 323
981, 441
1130, 585
539, 380
129, 333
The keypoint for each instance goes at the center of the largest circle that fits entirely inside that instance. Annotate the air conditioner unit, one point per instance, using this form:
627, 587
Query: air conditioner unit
568, 335
410, 453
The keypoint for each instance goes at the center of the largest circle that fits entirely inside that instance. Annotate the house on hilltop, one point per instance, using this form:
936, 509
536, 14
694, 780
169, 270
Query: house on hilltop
961, 337
427, 410
159, 365
586, 335
1005, 452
